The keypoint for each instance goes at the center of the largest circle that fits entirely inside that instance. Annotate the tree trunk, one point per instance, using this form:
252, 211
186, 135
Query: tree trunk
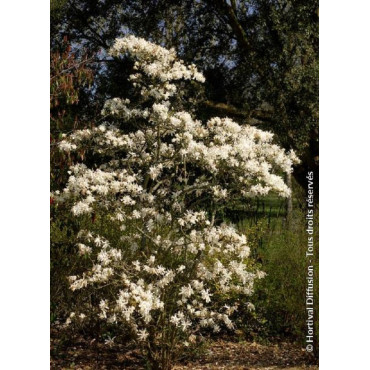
289, 201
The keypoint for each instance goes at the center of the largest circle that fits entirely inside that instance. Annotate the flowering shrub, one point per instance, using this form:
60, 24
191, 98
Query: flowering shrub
176, 268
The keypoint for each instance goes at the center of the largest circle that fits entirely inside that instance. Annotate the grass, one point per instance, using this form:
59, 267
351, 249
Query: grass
280, 249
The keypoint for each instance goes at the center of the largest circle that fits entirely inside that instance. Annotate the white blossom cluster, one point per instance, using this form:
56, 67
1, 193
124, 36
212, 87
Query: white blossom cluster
175, 265
159, 64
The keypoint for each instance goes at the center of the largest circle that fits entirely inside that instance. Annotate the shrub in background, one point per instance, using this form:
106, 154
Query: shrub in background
280, 297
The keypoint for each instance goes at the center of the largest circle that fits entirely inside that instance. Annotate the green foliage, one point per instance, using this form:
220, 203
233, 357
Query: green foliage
260, 57
280, 297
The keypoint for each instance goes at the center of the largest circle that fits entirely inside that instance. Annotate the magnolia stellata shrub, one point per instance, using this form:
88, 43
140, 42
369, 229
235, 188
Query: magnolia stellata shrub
176, 268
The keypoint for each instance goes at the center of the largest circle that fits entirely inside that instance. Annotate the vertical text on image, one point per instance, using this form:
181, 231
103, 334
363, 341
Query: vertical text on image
310, 267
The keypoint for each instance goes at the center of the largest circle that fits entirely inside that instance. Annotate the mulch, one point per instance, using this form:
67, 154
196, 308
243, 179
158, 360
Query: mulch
86, 354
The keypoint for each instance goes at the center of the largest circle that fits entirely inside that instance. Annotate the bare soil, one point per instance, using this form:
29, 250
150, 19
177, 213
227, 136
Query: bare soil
86, 354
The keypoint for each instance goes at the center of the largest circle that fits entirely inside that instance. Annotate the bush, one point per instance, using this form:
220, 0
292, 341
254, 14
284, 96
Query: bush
176, 270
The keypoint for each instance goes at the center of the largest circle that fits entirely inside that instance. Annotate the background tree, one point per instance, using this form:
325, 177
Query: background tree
260, 57
69, 76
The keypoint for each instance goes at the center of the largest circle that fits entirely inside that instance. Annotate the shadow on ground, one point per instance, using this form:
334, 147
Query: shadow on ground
91, 355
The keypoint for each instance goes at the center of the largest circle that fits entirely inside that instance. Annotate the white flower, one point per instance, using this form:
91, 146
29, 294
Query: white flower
260, 274
84, 249
250, 306
206, 295
186, 291
81, 208
154, 171
192, 338
175, 319
109, 341
142, 335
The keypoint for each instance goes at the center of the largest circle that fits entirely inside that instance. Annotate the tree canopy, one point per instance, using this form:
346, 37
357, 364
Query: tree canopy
260, 57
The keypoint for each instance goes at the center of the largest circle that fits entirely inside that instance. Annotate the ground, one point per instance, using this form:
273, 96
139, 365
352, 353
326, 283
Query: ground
90, 355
